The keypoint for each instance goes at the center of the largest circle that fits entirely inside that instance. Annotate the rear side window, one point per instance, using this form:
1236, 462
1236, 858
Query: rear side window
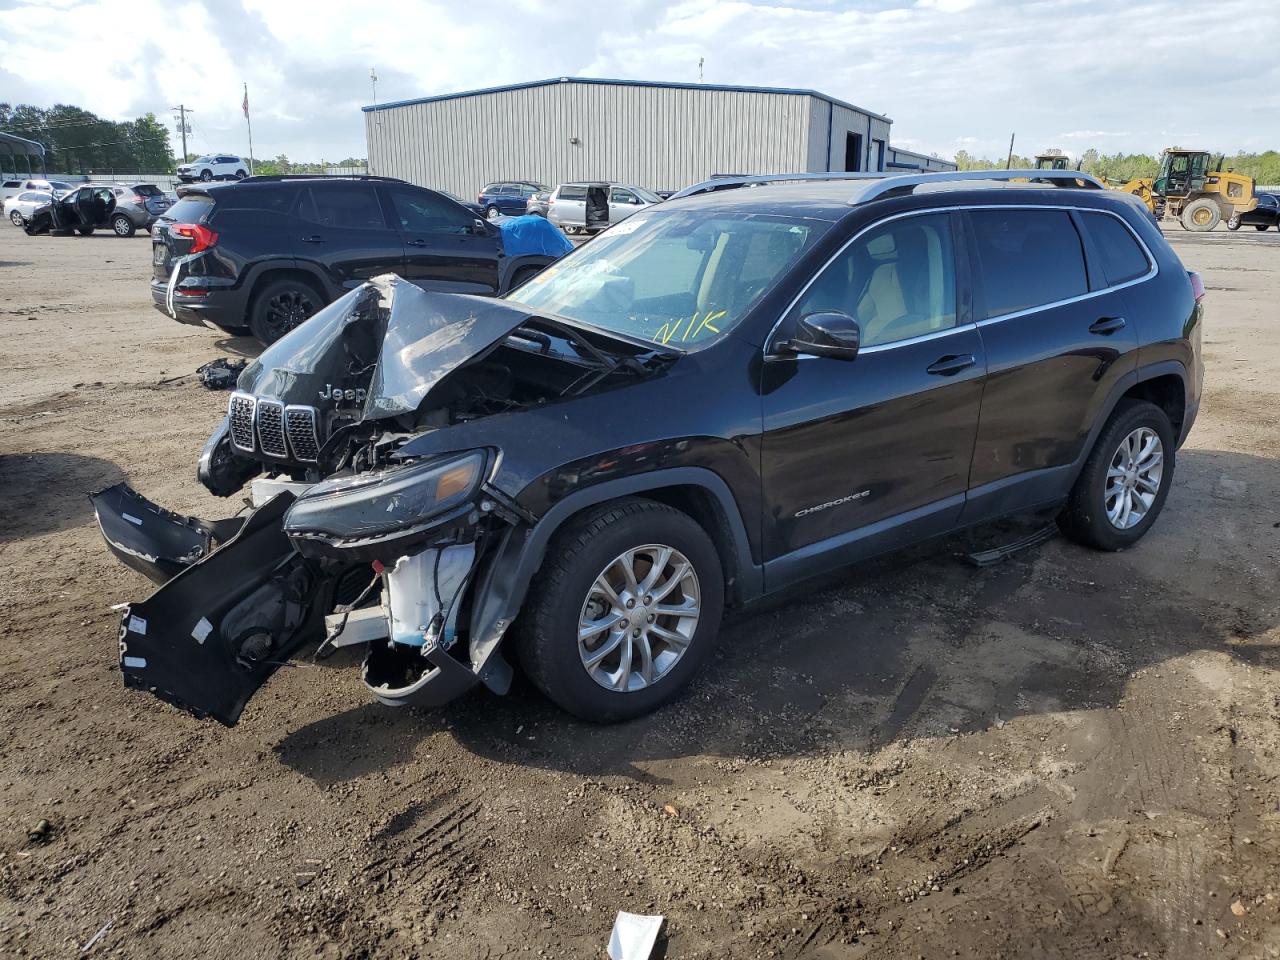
190, 209
1028, 258
573, 193
344, 205
276, 198
1123, 259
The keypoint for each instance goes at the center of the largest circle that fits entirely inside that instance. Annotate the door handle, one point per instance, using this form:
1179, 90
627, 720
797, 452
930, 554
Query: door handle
951, 365
416, 243
1107, 326
314, 238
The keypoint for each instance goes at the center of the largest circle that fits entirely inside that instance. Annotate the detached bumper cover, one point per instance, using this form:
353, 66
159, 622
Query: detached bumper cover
211, 636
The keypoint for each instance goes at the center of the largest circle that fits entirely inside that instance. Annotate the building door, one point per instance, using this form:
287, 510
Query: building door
853, 152
878, 147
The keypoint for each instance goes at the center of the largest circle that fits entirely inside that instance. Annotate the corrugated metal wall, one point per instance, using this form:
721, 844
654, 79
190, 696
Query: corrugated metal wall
829, 126
920, 160
658, 137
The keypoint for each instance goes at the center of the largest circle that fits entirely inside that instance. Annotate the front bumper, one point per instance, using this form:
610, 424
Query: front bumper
236, 599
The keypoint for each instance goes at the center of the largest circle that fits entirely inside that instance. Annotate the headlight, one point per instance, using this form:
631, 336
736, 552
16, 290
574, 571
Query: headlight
370, 505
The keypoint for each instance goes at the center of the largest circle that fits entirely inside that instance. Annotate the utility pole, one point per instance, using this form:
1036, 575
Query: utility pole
183, 110
1008, 161
373, 79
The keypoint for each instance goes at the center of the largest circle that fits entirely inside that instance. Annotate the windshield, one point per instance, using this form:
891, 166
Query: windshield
648, 196
676, 278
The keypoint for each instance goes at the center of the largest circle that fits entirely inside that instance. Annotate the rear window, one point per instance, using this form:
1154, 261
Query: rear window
343, 205
147, 190
1123, 259
192, 209
1028, 258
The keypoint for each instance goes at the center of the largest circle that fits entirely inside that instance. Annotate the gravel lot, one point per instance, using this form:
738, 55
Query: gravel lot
1069, 755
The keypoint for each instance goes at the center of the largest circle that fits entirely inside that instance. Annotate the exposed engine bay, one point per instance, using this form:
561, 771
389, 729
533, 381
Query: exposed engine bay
344, 538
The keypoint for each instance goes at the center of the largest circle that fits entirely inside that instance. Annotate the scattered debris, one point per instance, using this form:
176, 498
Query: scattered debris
987, 558
633, 936
221, 374
40, 832
1238, 909
97, 936
670, 810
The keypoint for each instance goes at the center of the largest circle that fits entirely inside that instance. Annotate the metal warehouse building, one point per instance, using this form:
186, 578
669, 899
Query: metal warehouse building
663, 136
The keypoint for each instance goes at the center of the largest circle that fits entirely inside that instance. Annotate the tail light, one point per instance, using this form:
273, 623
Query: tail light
201, 237
1197, 285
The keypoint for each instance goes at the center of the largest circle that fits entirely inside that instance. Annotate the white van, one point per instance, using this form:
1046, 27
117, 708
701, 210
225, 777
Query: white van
590, 206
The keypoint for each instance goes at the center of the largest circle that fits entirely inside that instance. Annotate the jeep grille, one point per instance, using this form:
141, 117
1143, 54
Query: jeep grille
270, 428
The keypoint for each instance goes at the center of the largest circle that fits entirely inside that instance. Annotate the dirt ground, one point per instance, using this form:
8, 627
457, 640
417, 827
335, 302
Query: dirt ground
1068, 755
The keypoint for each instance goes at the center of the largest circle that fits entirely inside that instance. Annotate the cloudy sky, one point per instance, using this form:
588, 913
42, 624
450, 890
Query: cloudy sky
953, 74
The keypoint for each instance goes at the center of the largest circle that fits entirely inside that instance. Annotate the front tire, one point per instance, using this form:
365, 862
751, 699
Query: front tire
16, 218
1125, 481
206, 175
281, 306
122, 226
1201, 215
240, 174
1233, 223
605, 636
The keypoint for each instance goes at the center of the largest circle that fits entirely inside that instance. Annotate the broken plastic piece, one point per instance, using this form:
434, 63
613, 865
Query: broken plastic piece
221, 374
986, 558
633, 936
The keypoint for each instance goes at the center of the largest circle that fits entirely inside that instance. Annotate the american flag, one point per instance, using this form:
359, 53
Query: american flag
245, 105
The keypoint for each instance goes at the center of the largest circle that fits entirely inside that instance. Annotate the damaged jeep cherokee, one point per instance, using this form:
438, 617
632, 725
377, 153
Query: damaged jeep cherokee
725, 395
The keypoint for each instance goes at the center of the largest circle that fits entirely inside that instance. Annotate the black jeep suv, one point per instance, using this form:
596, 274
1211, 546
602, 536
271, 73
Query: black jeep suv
727, 393
265, 253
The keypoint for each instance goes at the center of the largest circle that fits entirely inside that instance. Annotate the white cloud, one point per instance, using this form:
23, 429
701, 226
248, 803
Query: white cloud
952, 73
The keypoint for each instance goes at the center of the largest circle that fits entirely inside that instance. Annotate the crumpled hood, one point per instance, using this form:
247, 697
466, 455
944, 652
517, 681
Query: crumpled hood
381, 348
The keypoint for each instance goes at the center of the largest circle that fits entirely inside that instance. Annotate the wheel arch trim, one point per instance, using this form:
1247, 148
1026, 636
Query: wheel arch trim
502, 589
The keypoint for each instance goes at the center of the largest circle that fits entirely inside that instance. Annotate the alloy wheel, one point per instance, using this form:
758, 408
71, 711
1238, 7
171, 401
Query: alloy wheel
1133, 479
639, 618
287, 310
493, 213
121, 226
15, 218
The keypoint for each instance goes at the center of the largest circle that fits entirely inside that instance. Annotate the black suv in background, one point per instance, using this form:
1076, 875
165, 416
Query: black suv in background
741, 389
265, 253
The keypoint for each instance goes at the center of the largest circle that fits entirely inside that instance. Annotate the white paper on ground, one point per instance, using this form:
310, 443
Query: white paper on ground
633, 936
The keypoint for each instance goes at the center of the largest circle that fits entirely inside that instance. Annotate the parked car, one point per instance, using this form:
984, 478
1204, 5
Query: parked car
137, 207
216, 166
538, 203
1265, 214
508, 197
262, 255
593, 206
19, 207
10, 188
734, 391
83, 210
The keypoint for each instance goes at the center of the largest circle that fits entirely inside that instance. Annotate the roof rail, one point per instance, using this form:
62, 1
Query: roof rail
274, 177
879, 185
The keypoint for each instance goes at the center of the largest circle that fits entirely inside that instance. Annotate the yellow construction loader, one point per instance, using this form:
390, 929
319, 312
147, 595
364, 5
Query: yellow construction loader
1186, 189
1052, 161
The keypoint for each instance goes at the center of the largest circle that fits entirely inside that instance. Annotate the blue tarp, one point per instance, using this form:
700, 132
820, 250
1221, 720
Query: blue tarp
532, 234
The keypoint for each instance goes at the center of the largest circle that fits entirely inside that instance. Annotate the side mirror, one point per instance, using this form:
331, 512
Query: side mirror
829, 334
479, 227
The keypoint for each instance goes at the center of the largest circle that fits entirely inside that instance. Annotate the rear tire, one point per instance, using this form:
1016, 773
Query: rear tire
491, 213
206, 175
1201, 215
1233, 223
567, 593
1095, 514
1260, 227
281, 306
122, 226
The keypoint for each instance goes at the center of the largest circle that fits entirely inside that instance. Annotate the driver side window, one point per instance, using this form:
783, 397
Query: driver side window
897, 280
